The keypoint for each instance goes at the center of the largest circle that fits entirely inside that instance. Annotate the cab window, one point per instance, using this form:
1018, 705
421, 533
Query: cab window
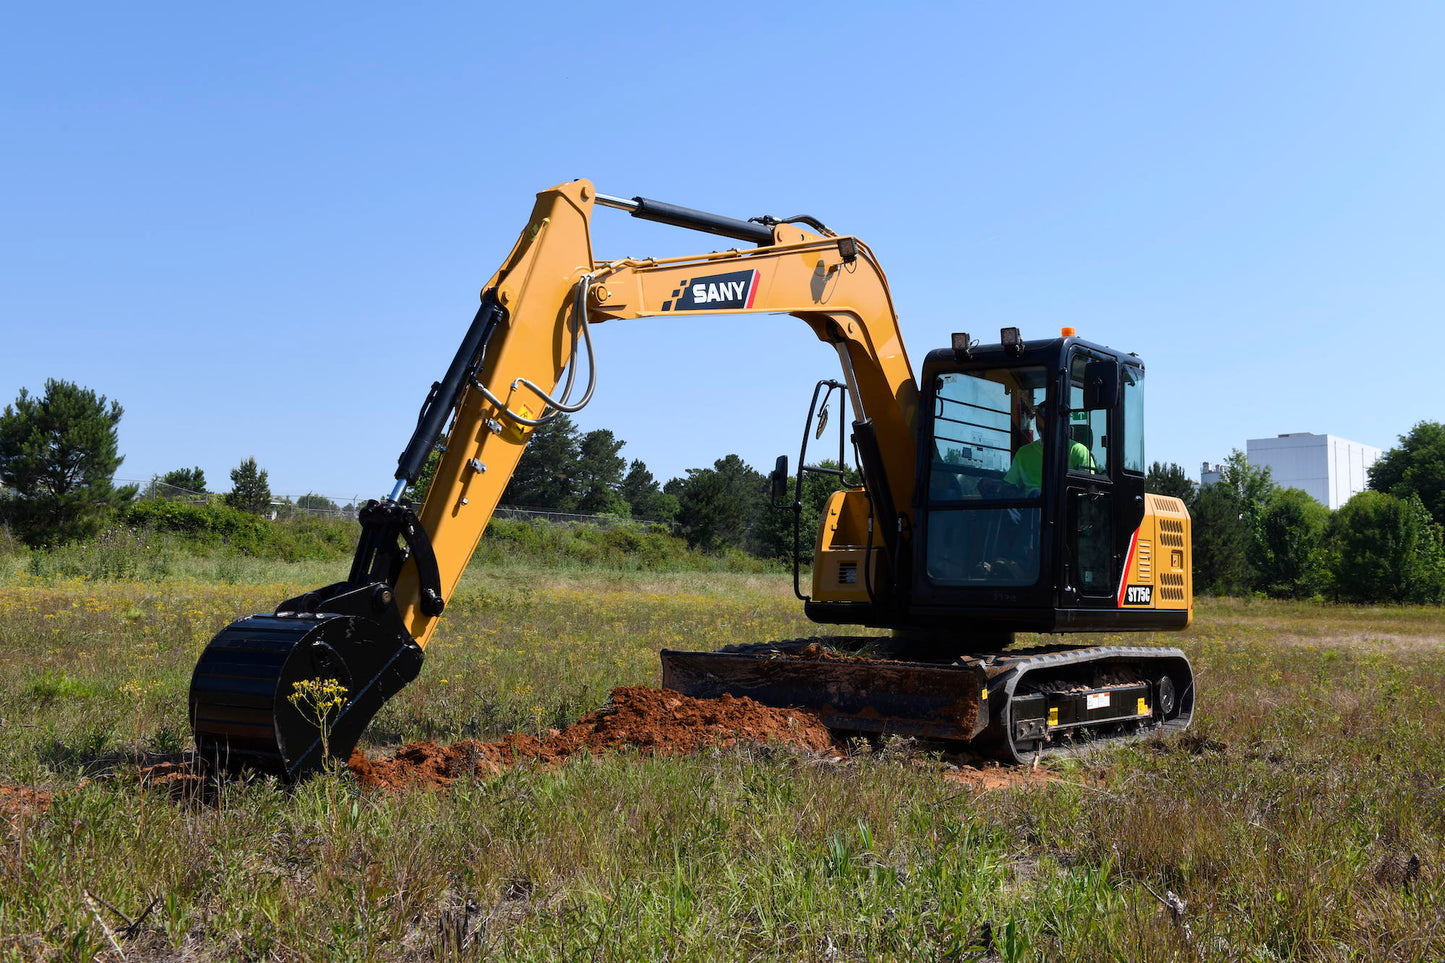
1133, 383
1088, 430
981, 419
985, 477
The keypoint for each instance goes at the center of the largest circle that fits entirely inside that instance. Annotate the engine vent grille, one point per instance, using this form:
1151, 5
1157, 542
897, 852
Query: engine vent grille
1171, 532
1171, 586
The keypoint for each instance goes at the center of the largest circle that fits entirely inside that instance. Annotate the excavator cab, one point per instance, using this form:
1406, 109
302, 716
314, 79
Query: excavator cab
1029, 512
1031, 495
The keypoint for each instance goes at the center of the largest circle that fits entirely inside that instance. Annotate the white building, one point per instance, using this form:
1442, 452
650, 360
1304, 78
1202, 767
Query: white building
1327, 468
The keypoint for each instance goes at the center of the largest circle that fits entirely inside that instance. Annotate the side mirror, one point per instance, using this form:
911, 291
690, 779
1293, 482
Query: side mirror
1101, 385
779, 481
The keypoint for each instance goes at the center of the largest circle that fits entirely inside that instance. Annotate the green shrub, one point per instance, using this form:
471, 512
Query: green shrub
113, 554
1287, 552
217, 525
1386, 549
626, 547
157, 532
211, 524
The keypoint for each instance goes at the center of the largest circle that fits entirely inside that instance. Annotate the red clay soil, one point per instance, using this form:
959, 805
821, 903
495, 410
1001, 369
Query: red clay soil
16, 801
653, 721
177, 778
997, 777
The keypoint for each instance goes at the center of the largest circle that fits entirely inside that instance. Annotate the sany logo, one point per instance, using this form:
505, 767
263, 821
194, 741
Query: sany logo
716, 292
1139, 595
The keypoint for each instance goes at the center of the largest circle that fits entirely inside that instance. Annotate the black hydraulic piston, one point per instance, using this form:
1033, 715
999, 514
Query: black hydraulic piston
664, 213
444, 395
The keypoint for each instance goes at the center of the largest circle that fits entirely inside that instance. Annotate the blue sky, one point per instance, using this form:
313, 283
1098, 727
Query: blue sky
262, 229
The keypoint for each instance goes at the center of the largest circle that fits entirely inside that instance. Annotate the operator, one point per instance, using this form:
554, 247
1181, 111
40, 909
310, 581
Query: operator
1027, 470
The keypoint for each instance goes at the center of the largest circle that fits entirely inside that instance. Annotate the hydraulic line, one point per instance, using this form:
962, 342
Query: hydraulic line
807, 219
558, 405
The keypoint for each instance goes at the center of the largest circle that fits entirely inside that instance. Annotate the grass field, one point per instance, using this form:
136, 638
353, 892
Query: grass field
1300, 819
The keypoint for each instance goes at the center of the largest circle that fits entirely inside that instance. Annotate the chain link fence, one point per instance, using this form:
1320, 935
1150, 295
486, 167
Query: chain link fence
311, 504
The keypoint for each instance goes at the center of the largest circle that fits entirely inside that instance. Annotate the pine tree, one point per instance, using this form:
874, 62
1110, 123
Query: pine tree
250, 491
718, 507
598, 476
180, 483
1169, 479
544, 478
644, 496
58, 456
1227, 545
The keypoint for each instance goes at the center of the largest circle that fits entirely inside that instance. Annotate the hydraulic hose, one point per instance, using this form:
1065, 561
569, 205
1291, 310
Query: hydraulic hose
561, 405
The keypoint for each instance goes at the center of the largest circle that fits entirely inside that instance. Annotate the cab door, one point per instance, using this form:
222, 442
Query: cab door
1091, 514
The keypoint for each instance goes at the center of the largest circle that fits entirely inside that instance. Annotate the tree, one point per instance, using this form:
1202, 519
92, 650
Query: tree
311, 502
645, 497
58, 456
250, 491
597, 479
1226, 526
1386, 549
1250, 486
718, 506
1170, 480
1415, 467
1221, 543
1288, 553
544, 475
182, 481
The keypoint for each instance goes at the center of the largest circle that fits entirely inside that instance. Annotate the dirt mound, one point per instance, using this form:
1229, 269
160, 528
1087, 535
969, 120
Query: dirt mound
654, 721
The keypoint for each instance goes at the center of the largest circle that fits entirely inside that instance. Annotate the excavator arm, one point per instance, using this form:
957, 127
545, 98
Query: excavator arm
252, 695
550, 288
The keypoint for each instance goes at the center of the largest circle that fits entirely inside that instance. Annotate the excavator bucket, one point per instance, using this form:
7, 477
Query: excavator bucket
260, 696
848, 693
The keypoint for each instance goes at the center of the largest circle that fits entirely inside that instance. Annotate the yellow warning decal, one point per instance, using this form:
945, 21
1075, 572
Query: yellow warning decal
1054, 716
1143, 707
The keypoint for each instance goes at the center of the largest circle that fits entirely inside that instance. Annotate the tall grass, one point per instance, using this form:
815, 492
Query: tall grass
1281, 826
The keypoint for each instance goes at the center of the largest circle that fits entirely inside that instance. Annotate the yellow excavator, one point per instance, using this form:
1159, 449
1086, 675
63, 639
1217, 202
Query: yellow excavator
1001, 493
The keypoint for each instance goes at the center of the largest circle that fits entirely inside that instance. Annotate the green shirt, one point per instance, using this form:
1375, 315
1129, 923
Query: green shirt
1027, 470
